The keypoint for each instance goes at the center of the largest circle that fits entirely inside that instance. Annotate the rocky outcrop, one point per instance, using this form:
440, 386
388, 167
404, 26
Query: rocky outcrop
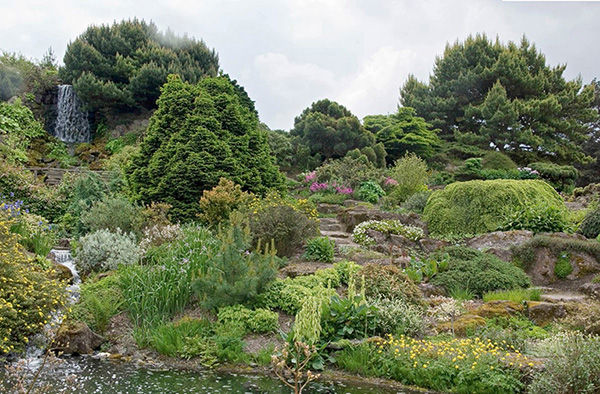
542, 313
354, 215
500, 243
77, 338
591, 289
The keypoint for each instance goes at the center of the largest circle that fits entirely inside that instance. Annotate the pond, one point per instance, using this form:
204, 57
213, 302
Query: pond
87, 375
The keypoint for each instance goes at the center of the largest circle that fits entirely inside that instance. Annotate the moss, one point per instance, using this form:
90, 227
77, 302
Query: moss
477, 207
499, 309
463, 324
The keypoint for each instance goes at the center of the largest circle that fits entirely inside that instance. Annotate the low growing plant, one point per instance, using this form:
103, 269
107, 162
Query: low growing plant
370, 192
103, 250
320, 249
361, 237
258, 320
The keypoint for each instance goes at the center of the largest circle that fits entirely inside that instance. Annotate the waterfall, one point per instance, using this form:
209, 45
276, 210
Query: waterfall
71, 122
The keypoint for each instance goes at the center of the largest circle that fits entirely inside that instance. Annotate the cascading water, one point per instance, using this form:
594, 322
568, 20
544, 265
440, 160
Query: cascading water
71, 122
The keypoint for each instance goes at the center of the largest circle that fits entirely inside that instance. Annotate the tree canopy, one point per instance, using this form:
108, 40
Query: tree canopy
200, 133
403, 132
330, 129
488, 94
123, 65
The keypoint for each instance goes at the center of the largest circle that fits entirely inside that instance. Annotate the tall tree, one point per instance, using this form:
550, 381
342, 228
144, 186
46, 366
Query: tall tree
403, 132
330, 130
200, 133
483, 92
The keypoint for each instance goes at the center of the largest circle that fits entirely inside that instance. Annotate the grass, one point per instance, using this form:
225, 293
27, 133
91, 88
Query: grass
517, 295
263, 356
460, 294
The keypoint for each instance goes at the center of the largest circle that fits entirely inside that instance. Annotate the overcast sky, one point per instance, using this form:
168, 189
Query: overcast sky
288, 54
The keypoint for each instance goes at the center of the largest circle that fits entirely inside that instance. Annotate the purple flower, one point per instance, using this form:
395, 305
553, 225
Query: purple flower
316, 187
390, 182
311, 176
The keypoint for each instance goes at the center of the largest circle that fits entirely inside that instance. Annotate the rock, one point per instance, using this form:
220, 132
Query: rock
542, 313
77, 338
430, 245
62, 272
462, 324
64, 243
591, 289
498, 308
391, 243
328, 208
352, 216
500, 243
430, 290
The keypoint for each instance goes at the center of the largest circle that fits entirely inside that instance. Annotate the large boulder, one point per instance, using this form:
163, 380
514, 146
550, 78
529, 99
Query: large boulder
77, 338
591, 289
500, 243
354, 215
542, 313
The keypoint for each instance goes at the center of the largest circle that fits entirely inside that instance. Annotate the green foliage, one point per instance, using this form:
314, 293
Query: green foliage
417, 202
515, 331
350, 171
217, 204
103, 250
329, 129
573, 365
525, 253
495, 160
329, 198
280, 143
485, 92
28, 295
116, 145
516, 295
348, 318
403, 132
346, 270
411, 173
563, 267
307, 325
258, 320
153, 292
387, 281
590, 227
285, 222
478, 272
539, 218
360, 234
17, 128
123, 65
562, 178
199, 134
232, 275
319, 249
112, 213
476, 207
398, 317
27, 79
370, 192
99, 300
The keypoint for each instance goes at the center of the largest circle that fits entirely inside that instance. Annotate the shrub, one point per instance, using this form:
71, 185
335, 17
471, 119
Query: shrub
28, 295
370, 192
103, 250
158, 235
540, 218
562, 178
387, 281
163, 286
320, 249
258, 320
572, 365
478, 272
329, 198
495, 160
416, 203
155, 214
346, 270
286, 222
347, 318
217, 204
590, 227
563, 267
99, 300
349, 171
476, 207
112, 213
361, 237
411, 173
18, 127
233, 275
398, 317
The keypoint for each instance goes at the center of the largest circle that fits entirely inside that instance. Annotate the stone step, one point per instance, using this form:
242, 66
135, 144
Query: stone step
331, 227
563, 297
329, 220
335, 234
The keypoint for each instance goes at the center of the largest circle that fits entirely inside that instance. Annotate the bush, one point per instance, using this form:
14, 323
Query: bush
28, 295
112, 213
103, 250
398, 317
537, 218
99, 300
320, 249
477, 207
387, 281
17, 128
347, 318
563, 267
158, 235
562, 178
370, 192
286, 222
258, 320
478, 272
217, 204
495, 160
416, 203
346, 270
411, 173
590, 227
572, 365
232, 275
349, 171
361, 237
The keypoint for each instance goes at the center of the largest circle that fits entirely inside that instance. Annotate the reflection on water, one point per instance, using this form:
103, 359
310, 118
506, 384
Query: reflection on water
87, 375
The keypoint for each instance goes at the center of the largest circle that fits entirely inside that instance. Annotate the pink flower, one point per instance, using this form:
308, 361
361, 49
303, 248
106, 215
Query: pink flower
311, 176
316, 187
343, 190
390, 182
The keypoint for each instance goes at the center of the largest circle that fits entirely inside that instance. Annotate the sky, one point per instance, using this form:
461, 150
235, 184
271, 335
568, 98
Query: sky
288, 54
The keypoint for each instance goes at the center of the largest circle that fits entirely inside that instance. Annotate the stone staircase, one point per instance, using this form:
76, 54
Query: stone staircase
334, 230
